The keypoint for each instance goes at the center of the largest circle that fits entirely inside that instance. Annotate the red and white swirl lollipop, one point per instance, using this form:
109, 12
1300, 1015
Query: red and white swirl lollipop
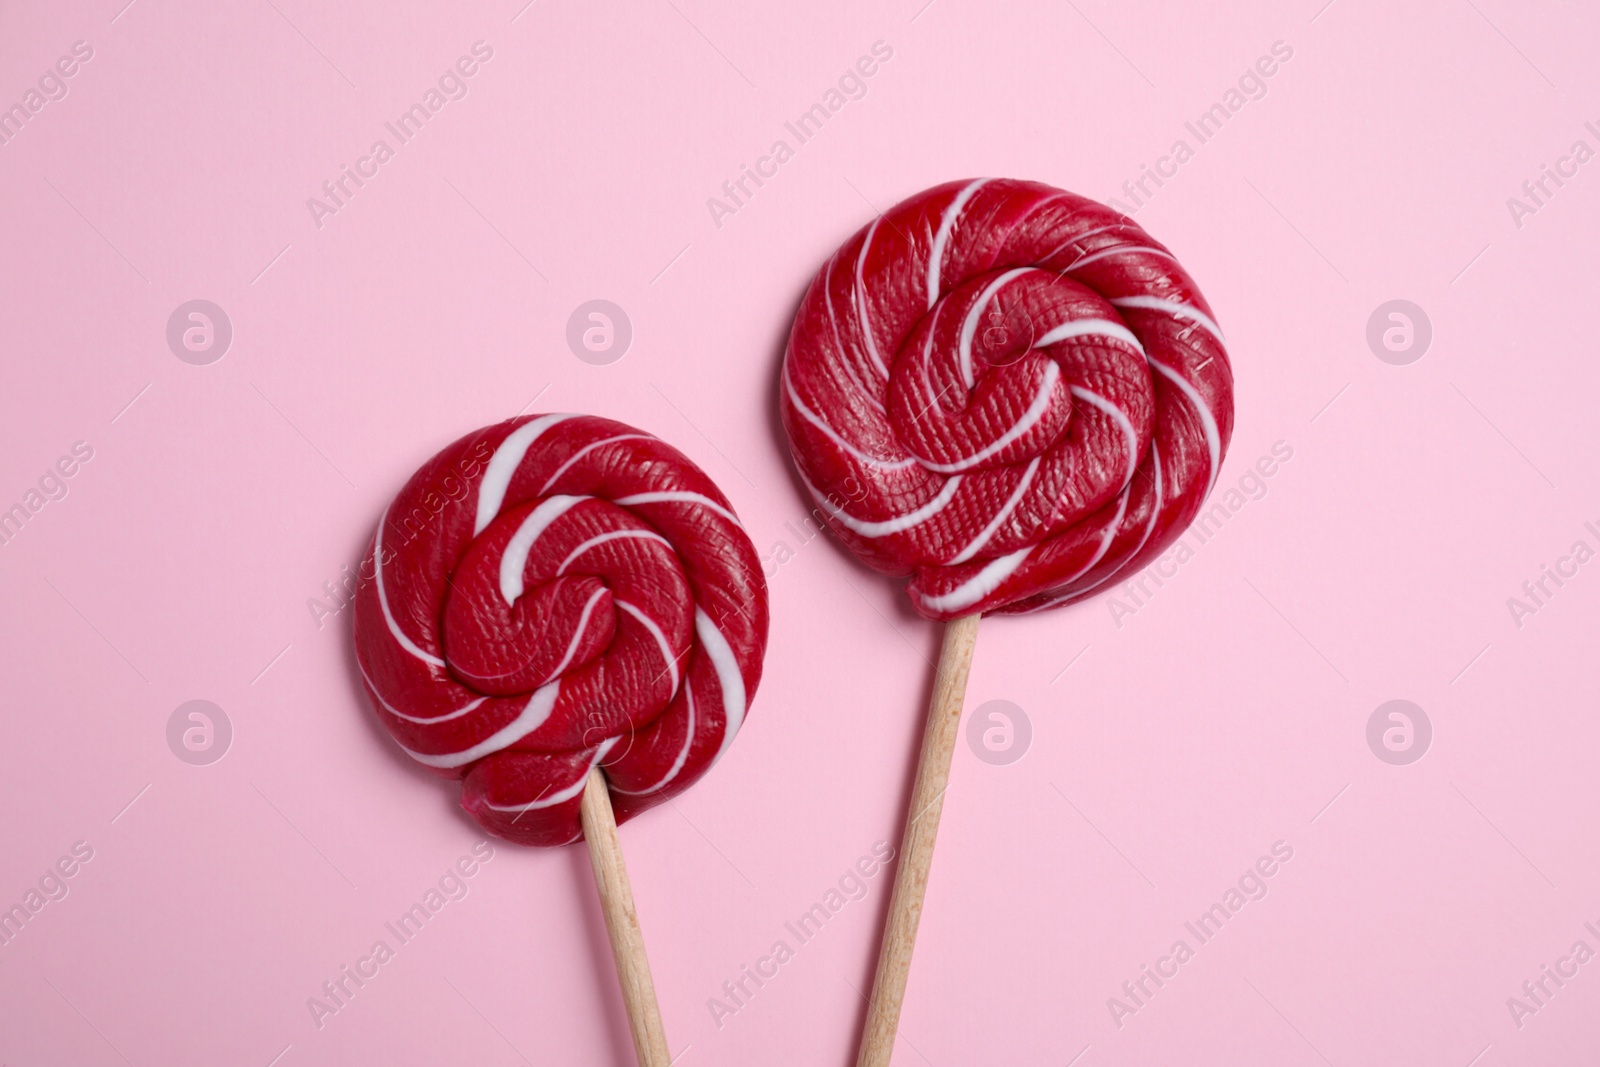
1014, 395
557, 604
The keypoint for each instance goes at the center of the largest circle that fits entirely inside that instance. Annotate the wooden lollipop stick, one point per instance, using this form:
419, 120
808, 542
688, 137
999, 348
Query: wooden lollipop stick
916, 845
622, 923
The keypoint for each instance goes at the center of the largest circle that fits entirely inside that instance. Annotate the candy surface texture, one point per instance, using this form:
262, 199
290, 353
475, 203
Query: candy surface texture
554, 593
1008, 392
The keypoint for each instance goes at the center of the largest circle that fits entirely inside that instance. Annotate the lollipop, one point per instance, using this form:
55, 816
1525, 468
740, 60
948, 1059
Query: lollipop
1012, 395
557, 604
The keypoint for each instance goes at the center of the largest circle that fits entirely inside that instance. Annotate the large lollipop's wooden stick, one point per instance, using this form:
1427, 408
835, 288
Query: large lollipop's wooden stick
622, 923
916, 845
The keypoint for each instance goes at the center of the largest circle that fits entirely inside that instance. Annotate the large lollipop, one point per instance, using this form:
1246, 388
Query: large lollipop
557, 604
1013, 395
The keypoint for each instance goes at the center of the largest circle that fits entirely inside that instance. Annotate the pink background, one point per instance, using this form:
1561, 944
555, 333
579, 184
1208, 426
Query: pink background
1226, 714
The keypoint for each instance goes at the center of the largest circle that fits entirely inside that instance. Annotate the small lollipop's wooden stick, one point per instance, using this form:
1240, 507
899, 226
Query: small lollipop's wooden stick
916, 845
622, 923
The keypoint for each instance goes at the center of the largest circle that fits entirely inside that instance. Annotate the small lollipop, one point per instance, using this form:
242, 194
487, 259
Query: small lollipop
559, 604
1012, 395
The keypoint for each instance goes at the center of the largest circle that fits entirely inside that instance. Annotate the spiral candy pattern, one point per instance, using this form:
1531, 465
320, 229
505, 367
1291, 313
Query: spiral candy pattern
555, 593
1008, 392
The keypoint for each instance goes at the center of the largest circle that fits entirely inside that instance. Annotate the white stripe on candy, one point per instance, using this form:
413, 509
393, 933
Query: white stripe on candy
677, 764
1208, 422
533, 716
1029, 419
383, 600
848, 366
861, 301
679, 498
1121, 249
561, 796
515, 558
946, 224
969, 325
503, 465
1004, 513
578, 632
661, 639
889, 526
832, 435
1117, 416
585, 450
1111, 532
1109, 535
1174, 308
979, 585
1089, 328
1149, 528
729, 680
614, 535
372, 688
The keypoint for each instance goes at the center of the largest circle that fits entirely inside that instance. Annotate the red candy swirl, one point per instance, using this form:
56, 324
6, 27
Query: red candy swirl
1009, 392
554, 593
